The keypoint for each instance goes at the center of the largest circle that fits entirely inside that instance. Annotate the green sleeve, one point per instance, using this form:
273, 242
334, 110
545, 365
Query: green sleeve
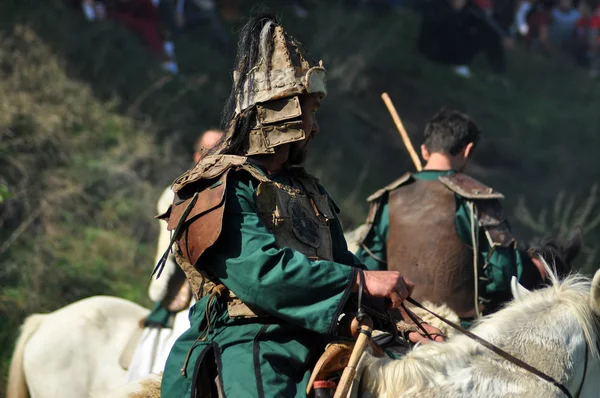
159, 316
376, 240
499, 264
280, 281
341, 254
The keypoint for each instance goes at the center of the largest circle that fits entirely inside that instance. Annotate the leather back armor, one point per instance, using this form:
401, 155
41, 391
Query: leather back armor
423, 242
424, 246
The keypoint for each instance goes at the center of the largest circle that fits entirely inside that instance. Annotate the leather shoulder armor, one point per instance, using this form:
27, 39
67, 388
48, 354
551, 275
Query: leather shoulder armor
468, 187
492, 220
375, 204
388, 188
210, 167
196, 215
487, 203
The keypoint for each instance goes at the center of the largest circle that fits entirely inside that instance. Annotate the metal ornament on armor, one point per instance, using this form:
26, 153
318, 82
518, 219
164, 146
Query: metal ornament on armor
299, 219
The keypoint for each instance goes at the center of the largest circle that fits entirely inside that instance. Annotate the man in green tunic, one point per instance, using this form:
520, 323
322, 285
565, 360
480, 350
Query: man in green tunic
260, 240
426, 225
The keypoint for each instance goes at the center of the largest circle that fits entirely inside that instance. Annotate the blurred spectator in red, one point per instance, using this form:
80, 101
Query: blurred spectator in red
139, 16
453, 32
230, 9
533, 20
587, 36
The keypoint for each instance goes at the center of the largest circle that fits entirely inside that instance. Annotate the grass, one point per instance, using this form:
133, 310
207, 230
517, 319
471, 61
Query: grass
91, 132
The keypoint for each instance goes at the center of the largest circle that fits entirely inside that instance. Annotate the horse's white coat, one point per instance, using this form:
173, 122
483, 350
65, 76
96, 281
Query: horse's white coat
149, 387
442, 310
158, 286
75, 350
517, 290
547, 328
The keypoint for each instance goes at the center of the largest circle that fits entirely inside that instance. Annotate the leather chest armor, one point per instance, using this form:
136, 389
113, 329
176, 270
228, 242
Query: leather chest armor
297, 214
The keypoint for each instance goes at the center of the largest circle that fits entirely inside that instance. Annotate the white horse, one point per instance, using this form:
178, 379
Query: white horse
553, 329
550, 329
95, 344
75, 350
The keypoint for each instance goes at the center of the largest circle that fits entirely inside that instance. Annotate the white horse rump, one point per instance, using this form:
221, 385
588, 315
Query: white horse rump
74, 351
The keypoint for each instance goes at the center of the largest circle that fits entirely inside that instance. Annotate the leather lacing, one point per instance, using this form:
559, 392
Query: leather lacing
217, 292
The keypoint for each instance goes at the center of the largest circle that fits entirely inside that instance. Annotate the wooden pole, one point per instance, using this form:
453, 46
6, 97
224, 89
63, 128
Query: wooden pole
350, 371
405, 138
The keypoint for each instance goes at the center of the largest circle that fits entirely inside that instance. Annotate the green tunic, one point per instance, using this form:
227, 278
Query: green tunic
159, 317
259, 358
502, 263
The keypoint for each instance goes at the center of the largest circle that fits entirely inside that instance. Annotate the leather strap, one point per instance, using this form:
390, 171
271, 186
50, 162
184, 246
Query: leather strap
585, 366
416, 321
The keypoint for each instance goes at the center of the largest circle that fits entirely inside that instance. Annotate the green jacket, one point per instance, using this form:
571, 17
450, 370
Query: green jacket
272, 357
502, 263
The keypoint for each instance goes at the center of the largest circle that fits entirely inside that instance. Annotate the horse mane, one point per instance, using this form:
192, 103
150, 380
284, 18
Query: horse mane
571, 292
426, 364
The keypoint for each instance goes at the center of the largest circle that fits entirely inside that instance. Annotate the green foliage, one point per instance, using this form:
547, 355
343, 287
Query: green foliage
4, 193
91, 132
564, 218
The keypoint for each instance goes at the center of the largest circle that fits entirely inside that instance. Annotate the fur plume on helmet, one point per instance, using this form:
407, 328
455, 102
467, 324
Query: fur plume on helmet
255, 46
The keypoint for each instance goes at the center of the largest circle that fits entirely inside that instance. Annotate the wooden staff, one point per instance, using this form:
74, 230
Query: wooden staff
405, 138
363, 329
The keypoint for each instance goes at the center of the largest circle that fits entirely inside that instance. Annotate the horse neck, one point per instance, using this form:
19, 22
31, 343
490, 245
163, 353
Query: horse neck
538, 330
544, 329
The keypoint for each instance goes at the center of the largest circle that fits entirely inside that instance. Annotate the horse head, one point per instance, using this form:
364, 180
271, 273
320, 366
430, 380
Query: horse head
553, 251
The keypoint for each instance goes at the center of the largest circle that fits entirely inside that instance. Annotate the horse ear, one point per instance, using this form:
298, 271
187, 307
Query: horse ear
595, 292
518, 291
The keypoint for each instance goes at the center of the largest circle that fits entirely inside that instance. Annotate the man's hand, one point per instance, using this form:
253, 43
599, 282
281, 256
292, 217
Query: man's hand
436, 333
388, 284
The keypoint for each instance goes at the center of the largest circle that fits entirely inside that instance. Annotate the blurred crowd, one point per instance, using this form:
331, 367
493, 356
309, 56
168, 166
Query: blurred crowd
453, 32
156, 22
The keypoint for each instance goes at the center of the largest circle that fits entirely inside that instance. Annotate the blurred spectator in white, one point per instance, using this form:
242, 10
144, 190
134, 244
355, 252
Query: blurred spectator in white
522, 12
562, 29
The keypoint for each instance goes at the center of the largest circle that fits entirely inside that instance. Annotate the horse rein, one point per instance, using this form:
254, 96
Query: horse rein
505, 355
